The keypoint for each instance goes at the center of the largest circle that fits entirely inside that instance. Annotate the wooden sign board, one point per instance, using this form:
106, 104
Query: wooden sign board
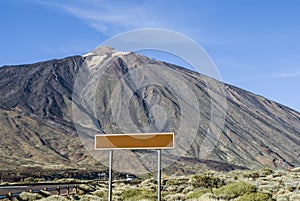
134, 141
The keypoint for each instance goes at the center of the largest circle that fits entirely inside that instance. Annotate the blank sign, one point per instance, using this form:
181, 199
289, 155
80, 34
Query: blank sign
134, 141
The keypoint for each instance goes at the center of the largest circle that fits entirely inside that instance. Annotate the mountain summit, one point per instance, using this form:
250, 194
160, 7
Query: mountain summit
38, 127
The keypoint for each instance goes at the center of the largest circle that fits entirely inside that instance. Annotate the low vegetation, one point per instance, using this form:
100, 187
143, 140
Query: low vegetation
263, 185
206, 181
138, 194
234, 190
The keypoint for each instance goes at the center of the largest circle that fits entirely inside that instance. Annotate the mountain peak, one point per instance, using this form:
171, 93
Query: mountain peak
36, 113
104, 50
100, 55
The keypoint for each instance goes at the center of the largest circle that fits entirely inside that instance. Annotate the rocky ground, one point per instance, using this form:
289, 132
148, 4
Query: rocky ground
260, 185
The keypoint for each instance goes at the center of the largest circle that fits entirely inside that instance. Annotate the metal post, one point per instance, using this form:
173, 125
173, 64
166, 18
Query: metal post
68, 190
75, 189
158, 174
110, 175
58, 190
10, 196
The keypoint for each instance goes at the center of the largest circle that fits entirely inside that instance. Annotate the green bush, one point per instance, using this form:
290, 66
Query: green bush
32, 180
255, 197
206, 181
176, 197
90, 198
234, 190
101, 194
267, 171
54, 198
137, 194
198, 193
176, 182
253, 175
25, 196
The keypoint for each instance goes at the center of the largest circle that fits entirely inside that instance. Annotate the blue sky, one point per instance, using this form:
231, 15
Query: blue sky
254, 43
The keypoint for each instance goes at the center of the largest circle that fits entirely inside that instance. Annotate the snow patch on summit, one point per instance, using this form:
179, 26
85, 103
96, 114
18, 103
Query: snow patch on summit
95, 60
100, 55
116, 53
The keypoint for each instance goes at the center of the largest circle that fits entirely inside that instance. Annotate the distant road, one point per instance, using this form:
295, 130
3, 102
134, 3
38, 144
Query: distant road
17, 189
14, 189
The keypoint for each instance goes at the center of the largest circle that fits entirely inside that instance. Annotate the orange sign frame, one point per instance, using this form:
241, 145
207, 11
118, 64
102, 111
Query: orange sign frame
134, 141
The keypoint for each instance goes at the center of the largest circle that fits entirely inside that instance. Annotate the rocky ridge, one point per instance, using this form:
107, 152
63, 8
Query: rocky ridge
37, 125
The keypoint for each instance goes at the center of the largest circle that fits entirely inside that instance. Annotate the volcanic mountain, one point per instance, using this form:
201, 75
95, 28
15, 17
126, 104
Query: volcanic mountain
49, 112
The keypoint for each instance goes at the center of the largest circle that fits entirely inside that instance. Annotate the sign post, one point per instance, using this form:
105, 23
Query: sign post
158, 174
110, 175
112, 142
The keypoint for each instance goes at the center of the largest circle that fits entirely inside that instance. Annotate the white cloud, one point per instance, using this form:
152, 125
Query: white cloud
108, 18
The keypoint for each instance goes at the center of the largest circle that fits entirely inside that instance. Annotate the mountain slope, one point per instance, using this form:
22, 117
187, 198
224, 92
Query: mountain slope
37, 120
